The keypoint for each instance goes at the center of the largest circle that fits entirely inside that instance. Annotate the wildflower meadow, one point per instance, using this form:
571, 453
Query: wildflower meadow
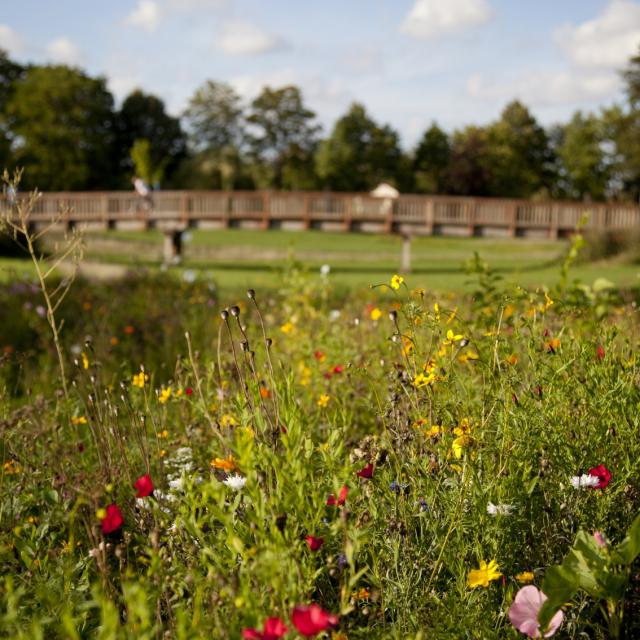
309, 461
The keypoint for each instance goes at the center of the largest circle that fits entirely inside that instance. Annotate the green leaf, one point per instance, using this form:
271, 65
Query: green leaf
560, 585
627, 551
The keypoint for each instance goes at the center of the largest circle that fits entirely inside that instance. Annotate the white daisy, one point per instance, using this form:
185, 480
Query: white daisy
235, 482
500, 509
586, 480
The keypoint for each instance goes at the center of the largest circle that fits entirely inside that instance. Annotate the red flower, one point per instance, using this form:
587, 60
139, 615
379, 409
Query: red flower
338, 368
342, 497
113, 520
318, 355
189, 391
600, 352
274, 629
314, 543
367, 472
603, 474
144, 485
312, 620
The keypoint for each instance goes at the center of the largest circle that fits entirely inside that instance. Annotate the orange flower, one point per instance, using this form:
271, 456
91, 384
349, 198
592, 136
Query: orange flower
227, 464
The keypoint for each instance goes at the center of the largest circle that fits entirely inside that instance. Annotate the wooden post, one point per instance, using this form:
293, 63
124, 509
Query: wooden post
429, 213
512, 215
405, 262
306, 214
266, 210
172, 247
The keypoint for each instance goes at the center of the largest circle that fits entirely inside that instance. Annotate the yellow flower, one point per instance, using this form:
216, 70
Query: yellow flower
422, 381
464, 428
512, 359
163, 434
509, 310
323, 400
305, 374
10, 467
433, 431
163, 453
452, 316
361, 594
376, 314
484, 575
547, 302
287, 328
436, 311
227, 421
470, 355
452, 337
76, 420
525, 576
85, 360
228, 463
407, 346
139, 379
396, 281
165, 394
101, 514
458, 444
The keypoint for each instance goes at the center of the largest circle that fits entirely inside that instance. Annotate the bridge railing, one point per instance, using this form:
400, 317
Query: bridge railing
408, 214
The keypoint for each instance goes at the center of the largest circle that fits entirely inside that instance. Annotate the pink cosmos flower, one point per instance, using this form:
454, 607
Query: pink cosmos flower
524, 612
311, 620
273, 629
314, 543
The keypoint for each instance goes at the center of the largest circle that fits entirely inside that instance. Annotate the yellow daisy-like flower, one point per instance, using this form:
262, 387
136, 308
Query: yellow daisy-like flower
375, 314
85, 360
469, 356
165, 394
287, 328
323, 400
433, 431
396, 281
228, 463
484, 575
227, 421
76, 420
512, 359
452, 337
525, 576
139, 379
422, 380
361, 594
305, 374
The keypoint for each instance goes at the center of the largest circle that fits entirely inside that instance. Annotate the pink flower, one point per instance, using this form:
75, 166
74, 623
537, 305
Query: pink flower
366, 473
342, 497
144, 485
525, 609
311, 620
314, 543
603, 474
598, 536
274, 629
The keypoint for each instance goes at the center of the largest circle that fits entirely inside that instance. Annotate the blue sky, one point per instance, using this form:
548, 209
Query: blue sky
409, 61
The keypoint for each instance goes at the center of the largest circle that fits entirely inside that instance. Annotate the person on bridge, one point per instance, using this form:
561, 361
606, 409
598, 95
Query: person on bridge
144, 192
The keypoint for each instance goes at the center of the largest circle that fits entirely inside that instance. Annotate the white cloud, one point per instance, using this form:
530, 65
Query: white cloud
146, 15
431, 18
545, 89
607, 41
201, 5
10, 40
64, 51
243, 38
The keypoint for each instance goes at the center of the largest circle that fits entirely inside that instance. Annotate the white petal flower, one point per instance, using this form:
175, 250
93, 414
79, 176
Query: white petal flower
500, 509
325, 269
235, 482
584, 481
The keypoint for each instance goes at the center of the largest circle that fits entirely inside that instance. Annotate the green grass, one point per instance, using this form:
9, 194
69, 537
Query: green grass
246, 258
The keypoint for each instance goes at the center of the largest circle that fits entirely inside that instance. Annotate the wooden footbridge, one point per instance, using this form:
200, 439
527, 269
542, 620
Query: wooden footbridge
407, 215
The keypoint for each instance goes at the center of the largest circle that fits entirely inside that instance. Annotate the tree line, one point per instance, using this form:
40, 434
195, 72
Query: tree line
64, 128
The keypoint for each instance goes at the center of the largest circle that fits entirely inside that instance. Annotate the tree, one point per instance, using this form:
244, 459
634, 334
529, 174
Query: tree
584, 170
62, 125
431, 160
282, 138
214, 118
143, 117
519, 154
359, 154
10, 73
469, 172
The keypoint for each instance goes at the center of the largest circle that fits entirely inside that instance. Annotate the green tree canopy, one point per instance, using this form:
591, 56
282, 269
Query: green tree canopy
282, 137
144, 117
63, 129
431, 160
469, 172
359, 154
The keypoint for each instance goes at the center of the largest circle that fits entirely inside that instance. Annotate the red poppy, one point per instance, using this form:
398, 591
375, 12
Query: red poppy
144, 485
314, 543
189, 391
113, 520
367, 472
338, 369
342, 497
600, 352
274, 628
312, 620
603, 474
318, 355
129, 329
